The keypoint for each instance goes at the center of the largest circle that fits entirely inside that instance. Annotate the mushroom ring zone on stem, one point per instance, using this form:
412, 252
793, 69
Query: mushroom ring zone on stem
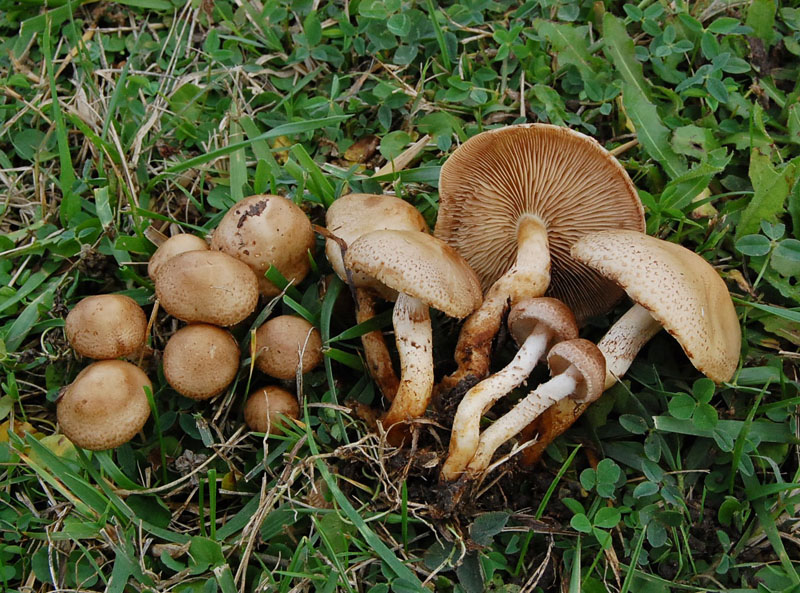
578, 371
348, 218
425, 272
512, 202
672, 287
535, 324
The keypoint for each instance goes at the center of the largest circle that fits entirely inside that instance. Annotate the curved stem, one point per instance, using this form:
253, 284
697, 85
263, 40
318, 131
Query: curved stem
620, 346
466, 424
528, 277
413, 335
544, 396
379, 362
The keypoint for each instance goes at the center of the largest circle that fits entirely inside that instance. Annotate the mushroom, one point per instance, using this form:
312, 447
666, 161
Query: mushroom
207, 287
264, 231
106, 326
175, 245
105, 406
201, 360
512, 202
347, 219
280, 343
578, 371
265, 406
535, 324
425, 272
673, 288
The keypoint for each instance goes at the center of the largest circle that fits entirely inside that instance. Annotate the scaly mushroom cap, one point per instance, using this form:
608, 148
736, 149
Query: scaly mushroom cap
106, 326
201, 360
353, 215
680, 289
207, 287
264, 231
589, 362
566, 179
173, 246
279, 342
419, 265
105, 406
265, 406
552, 313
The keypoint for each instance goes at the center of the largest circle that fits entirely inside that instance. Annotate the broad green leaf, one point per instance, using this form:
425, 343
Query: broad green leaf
753, 245
786, 258
771, 186
619, 49
572, 47
650, 130
761, 17
486, 526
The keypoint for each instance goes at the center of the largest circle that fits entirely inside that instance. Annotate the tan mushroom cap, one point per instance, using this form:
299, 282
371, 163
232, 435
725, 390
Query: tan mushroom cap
207, 287
353, 215
106, 326
105, 406
265, 406
279, 342
552, 313
419, 265
264, 231
587, 359
566, 179
173, 246
680, 289
201, 360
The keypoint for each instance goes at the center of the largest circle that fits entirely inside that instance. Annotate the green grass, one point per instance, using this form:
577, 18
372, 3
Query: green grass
119, 117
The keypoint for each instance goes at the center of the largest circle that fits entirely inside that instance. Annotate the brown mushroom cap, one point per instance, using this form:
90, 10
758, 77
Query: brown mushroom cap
566, 179
279, 342
106, 326
552, 313
265, 406
264, 231
419, 265
207, 287
353, 215
680, 289
173, 246
105, 406
589, 362
201, 360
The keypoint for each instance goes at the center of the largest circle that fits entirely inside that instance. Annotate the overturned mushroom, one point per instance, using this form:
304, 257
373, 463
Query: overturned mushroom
426, 273
264, 231
673, 288
577, 368
535, 324
513, 201
347, 219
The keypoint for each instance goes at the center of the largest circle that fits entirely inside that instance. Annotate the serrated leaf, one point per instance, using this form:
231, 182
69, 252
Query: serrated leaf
771, 186
572, 47
619, 49
486, 526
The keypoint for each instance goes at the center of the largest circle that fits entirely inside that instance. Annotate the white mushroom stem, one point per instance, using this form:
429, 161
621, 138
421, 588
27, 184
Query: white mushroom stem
379, 362
625, 339
413, 336
528, 277
465, 433
547, 394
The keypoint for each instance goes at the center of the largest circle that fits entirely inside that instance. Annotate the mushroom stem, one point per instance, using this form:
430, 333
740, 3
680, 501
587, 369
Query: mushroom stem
529, 276
413, 336
619, 346
379, 362
466, 424
547, 394
625, 339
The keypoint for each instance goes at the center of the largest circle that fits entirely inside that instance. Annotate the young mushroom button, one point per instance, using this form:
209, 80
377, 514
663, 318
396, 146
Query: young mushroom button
578, 370
106, 326
426, 273
673, 288
535, 324
201, 360
285, 344
512, 202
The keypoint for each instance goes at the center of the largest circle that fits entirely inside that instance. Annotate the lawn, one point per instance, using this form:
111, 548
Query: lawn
124, 122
